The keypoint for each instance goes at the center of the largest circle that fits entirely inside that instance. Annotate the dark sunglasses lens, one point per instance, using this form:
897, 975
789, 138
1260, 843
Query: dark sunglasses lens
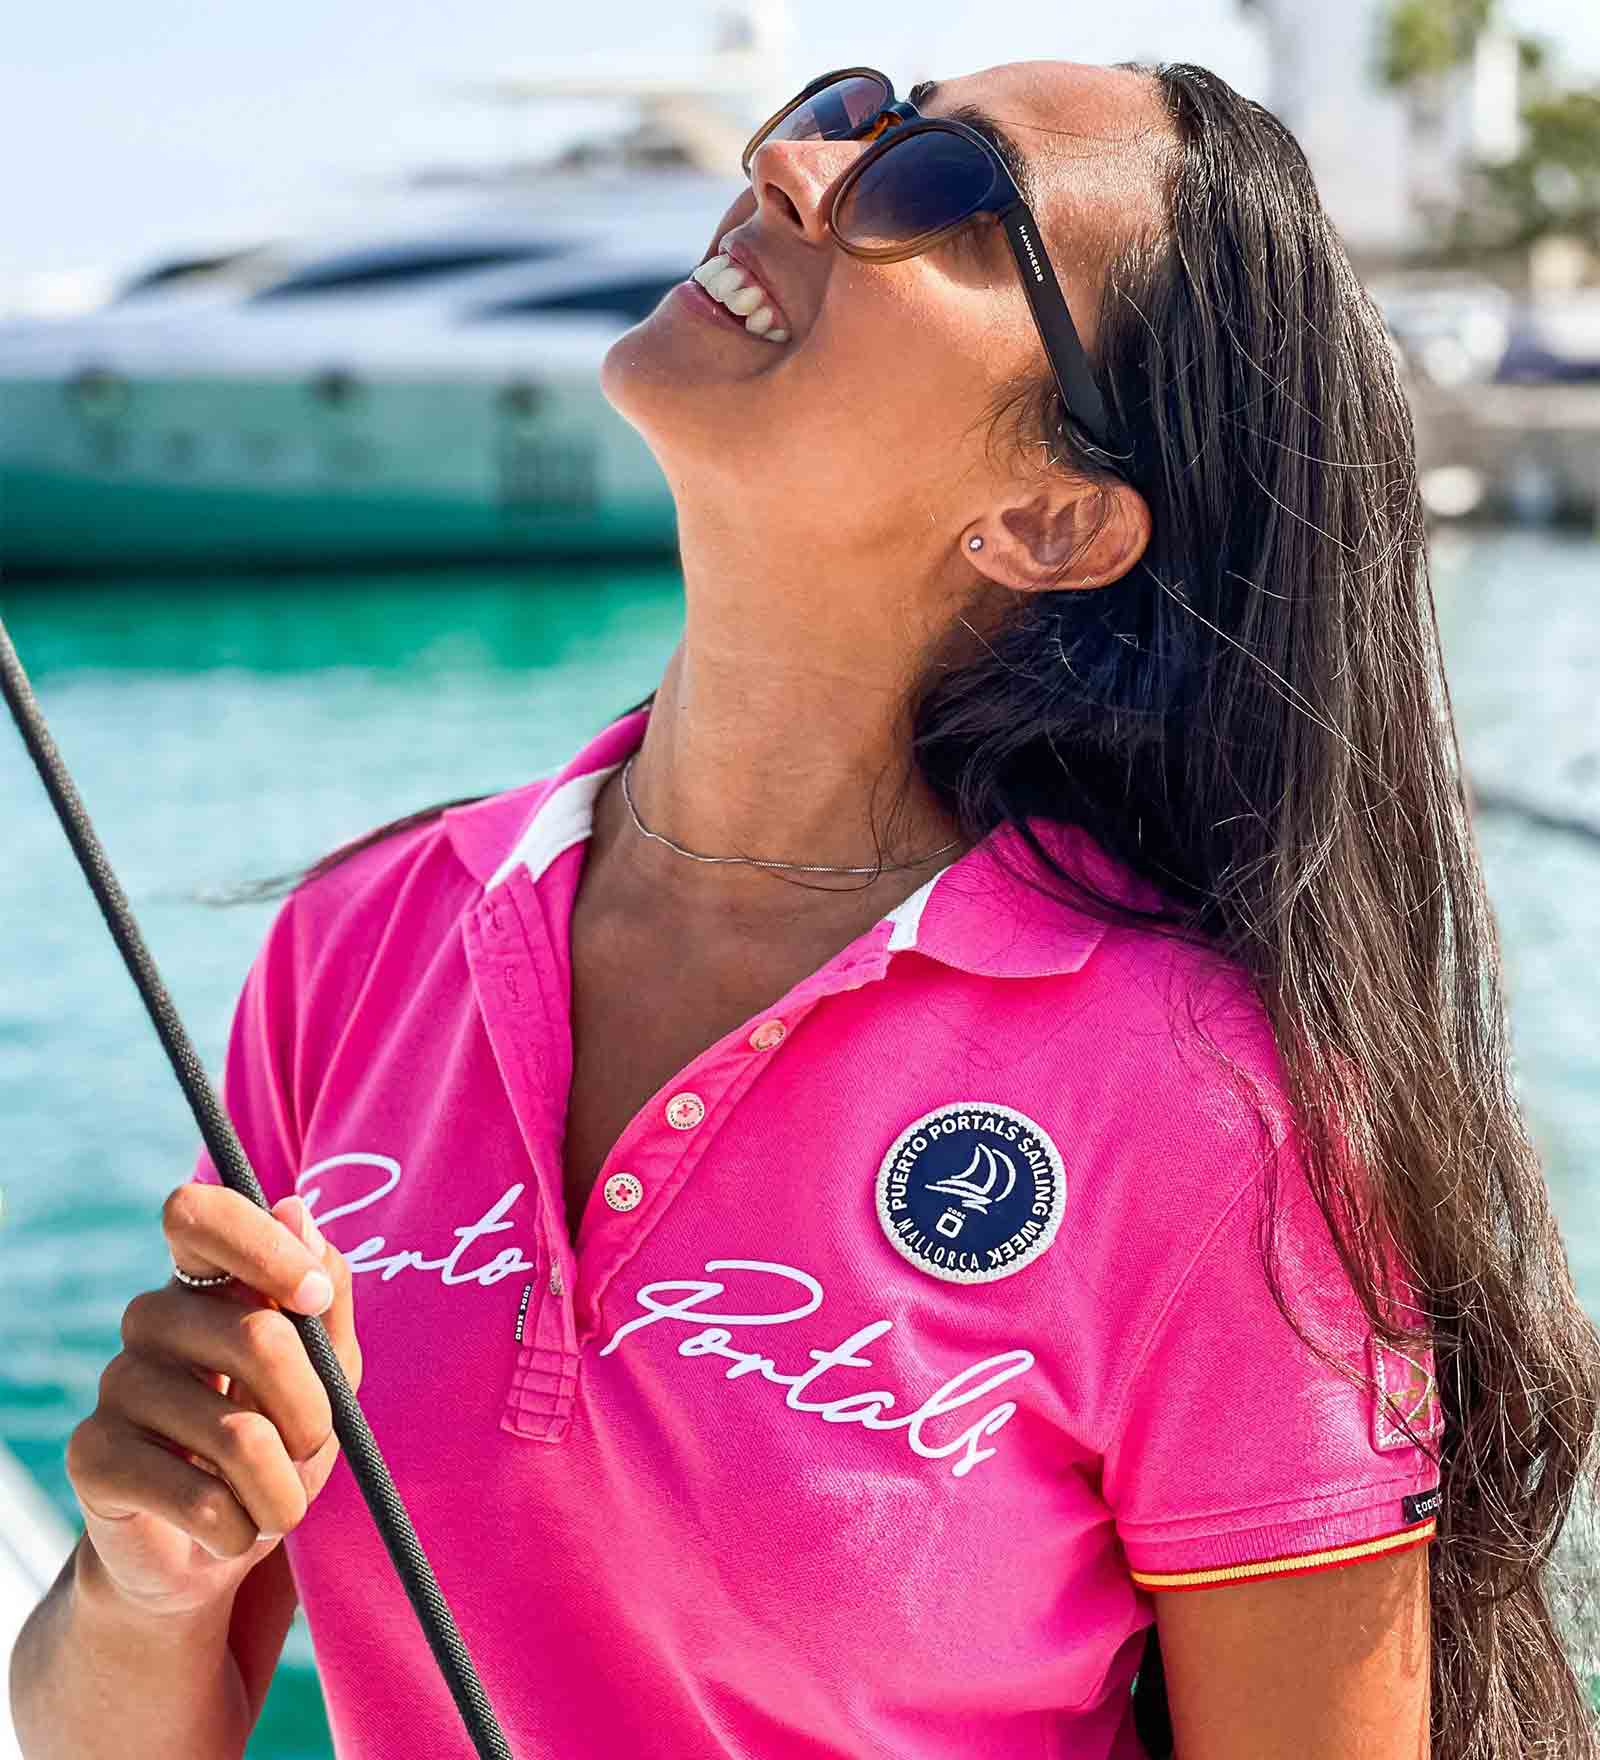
913, 189
834, 113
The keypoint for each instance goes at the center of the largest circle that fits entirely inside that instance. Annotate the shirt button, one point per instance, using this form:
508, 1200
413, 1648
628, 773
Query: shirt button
768, 1034
623, 1191
684, 1111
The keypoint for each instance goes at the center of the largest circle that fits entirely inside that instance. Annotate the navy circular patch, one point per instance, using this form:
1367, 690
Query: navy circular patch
971, 1192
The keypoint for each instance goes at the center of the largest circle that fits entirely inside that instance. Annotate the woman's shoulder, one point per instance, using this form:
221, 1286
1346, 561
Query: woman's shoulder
1181, 1001
1200, 1101
1175, 1014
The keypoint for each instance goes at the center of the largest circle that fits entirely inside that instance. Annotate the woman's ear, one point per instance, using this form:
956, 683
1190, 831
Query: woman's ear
1100, 528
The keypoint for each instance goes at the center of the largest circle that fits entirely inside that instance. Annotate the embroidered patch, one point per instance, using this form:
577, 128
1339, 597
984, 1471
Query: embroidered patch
971, 1192
1406, 1390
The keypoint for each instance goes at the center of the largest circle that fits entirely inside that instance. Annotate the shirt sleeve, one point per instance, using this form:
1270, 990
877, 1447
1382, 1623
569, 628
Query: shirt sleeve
258, 1080
1239, 1454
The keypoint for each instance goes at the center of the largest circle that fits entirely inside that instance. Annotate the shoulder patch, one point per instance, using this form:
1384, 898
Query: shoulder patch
1406, 1393
971, 1192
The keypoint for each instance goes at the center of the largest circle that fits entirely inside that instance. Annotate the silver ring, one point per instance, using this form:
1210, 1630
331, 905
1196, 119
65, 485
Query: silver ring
200, 1282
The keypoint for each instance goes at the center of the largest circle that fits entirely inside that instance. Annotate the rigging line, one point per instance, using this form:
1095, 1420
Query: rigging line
216, 1129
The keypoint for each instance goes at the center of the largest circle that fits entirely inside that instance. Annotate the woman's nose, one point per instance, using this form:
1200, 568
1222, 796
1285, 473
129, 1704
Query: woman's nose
793, 180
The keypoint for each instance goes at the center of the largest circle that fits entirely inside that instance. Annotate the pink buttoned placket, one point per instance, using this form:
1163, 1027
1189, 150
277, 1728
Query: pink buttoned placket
624, 1191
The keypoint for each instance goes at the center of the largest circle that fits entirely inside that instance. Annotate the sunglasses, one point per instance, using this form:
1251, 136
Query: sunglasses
895, 204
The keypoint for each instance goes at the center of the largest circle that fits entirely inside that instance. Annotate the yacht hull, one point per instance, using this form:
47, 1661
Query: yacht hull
102, 471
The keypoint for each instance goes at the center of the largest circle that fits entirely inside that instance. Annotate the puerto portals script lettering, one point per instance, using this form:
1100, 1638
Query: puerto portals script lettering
374, 1254
687, 1302
684, 1301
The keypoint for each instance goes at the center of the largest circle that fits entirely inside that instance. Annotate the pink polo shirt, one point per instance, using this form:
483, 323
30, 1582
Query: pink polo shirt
915, 1337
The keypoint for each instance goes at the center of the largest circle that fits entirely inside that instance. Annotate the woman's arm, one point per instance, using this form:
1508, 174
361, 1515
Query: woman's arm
93, 1677
1330, 1665
263, 1609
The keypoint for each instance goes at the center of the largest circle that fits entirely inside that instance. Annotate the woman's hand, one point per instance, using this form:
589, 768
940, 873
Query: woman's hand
213, 1432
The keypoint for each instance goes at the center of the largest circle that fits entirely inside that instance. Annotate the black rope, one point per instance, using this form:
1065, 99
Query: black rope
372, 1475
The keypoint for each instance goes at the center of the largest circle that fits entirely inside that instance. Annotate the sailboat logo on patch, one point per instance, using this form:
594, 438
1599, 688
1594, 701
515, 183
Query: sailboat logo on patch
971, 1192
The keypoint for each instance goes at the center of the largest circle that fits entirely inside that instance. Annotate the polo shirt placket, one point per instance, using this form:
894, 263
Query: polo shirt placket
522, 974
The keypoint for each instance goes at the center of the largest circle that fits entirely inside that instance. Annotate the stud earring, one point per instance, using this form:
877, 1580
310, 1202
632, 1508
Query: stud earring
974, 543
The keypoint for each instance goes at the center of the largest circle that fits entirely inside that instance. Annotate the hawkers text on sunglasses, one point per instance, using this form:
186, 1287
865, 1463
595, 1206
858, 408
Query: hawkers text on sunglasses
895, 204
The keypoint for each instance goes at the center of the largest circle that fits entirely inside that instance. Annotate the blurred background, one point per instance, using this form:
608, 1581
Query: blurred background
312, 513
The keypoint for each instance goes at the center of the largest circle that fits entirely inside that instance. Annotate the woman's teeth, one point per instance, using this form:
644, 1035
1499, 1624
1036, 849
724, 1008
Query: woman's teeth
728, 284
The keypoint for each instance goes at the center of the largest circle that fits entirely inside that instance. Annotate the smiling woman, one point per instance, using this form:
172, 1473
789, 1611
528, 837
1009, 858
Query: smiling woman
1152, 1159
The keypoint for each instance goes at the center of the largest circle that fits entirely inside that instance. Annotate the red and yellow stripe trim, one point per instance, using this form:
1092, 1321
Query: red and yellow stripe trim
1294, 1565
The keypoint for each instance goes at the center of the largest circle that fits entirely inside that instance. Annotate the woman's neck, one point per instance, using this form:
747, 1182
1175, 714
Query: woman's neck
792, 772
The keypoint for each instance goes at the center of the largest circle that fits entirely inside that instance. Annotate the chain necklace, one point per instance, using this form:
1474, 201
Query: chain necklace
806, 867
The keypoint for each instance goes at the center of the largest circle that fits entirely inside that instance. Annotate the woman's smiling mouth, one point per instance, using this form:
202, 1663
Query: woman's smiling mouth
709, 307
730, 286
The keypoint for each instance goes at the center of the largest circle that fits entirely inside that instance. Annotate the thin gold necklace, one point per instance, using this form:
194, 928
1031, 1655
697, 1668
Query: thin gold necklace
752, 861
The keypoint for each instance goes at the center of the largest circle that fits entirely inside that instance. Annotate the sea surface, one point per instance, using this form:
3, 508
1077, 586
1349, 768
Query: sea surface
222, 731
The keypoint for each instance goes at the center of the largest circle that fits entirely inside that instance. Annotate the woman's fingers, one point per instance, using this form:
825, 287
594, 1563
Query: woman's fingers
253, 1345
339, 1319
248, 1451
139, 1497
213, 1430
210, 1229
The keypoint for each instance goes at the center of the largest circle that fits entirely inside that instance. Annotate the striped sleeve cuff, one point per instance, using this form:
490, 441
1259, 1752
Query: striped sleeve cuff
1294, 1564
1284, 1540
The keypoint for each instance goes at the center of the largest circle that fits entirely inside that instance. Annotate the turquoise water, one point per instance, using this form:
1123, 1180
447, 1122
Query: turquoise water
223, 731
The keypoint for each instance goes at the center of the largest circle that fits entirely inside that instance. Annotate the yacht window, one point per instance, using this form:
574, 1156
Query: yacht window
634, 299
392, 266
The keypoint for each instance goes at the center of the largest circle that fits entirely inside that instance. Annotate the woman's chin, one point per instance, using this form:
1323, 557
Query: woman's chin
675, 350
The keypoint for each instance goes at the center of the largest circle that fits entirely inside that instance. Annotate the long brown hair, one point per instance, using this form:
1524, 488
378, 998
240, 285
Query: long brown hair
1256, 719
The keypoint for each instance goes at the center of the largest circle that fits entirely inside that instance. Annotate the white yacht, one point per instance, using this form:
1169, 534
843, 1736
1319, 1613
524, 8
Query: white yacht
420, 391
420, 384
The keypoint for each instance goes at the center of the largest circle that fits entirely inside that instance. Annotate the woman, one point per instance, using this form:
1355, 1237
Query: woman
1094, 1178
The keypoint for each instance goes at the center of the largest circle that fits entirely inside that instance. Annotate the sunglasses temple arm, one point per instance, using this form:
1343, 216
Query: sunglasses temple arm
1062, 342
